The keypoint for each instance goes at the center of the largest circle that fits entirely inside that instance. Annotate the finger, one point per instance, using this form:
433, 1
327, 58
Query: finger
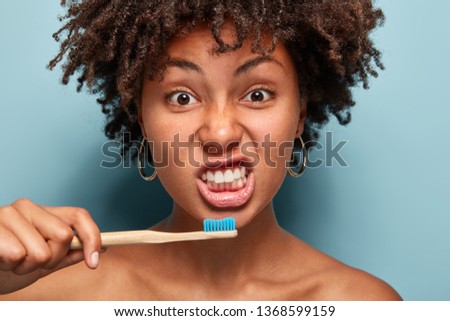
87, 231
12, 252
10, 283
71, 258
37, 251
55, 231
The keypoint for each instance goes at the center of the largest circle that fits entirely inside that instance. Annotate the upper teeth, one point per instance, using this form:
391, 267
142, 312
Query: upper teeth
224, 175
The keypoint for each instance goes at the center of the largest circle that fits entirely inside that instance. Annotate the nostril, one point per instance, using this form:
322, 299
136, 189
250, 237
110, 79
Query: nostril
218, 148
213, 147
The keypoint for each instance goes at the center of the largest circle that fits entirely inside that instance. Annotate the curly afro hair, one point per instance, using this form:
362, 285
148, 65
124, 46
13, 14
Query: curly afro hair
112, 44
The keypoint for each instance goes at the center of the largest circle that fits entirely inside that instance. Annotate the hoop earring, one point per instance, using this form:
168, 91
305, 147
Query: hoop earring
294, 158
141, 152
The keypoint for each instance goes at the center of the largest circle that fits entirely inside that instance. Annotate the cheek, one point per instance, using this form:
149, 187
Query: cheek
159, 146
276, 140
176, 174
275, 144
172, 149
161, 131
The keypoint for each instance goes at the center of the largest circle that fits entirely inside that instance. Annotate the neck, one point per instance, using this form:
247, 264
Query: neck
251, 253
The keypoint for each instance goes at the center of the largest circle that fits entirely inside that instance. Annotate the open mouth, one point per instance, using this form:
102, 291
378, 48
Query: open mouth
226, 186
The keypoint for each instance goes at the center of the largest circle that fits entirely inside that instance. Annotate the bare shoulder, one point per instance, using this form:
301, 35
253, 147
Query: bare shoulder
322, 277
345, 283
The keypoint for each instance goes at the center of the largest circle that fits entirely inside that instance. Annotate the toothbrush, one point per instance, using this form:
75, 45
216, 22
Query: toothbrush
212, 229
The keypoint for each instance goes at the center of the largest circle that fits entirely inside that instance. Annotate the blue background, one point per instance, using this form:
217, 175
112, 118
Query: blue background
386, 213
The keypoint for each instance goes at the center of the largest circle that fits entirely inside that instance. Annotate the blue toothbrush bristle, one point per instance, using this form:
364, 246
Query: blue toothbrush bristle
226, 224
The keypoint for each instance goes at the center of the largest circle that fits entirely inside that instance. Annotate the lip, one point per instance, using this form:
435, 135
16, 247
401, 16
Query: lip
230, 162
228, 198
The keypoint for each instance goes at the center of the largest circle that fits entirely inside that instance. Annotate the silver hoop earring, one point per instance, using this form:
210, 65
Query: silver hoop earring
141, 157
295, 161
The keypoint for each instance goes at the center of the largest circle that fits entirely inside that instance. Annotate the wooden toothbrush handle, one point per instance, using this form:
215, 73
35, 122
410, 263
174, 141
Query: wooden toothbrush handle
147, 237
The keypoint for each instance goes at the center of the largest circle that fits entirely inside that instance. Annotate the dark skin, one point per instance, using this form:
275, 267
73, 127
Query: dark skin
117, 278
263, 263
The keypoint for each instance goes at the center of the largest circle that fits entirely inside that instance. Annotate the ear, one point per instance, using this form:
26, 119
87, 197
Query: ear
302, 118
138, 103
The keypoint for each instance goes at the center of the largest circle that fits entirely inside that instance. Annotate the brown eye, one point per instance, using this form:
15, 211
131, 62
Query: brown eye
182, 99
259, 95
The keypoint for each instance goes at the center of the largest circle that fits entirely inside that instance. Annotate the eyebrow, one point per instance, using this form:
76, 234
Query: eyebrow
184, 64
252, 63
245, 67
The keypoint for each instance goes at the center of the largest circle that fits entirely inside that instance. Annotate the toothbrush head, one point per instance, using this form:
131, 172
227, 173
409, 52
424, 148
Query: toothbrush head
223, 225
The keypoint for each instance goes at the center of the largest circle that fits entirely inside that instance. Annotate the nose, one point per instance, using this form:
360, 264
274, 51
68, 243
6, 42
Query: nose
221, 131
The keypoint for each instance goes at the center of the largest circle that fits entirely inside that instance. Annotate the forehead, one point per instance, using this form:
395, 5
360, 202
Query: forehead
199, 45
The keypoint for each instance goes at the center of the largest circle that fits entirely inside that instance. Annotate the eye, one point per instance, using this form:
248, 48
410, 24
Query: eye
259, 95
181, 98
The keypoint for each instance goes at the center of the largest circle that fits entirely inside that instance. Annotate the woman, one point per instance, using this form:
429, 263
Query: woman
211, 86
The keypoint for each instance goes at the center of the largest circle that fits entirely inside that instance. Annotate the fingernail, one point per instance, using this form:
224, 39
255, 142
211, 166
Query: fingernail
94, 259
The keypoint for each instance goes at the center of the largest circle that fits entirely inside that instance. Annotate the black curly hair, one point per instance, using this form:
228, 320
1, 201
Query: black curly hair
112, 44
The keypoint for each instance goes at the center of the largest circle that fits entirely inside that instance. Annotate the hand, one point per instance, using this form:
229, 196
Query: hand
34, 242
